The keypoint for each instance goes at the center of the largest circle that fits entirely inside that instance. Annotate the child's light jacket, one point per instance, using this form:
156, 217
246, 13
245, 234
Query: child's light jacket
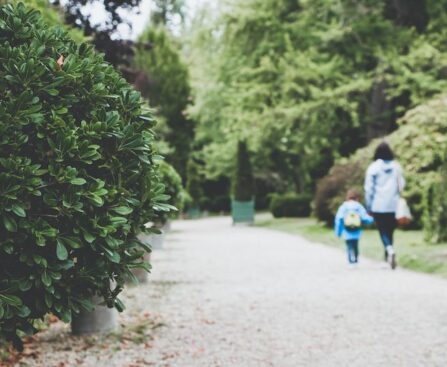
345, 208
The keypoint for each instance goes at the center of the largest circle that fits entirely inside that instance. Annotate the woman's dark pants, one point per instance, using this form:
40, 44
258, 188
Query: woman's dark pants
386, 224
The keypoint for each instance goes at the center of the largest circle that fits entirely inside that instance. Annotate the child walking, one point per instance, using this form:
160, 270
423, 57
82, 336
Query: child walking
348, 223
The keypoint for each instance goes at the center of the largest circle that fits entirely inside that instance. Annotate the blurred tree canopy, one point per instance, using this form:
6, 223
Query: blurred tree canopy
164, 81
306, 82
104, 35
76, 14
166, 10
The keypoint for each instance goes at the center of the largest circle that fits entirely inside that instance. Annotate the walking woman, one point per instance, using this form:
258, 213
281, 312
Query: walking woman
384, 182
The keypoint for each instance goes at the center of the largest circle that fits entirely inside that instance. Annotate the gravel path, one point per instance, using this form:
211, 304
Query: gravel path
243, 296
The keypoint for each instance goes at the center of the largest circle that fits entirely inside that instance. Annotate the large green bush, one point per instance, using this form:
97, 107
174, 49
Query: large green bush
77, 180
243, 181
419, 147
290, 205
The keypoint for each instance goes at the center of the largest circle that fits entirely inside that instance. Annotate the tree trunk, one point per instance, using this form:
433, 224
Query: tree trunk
408, 13
381, 115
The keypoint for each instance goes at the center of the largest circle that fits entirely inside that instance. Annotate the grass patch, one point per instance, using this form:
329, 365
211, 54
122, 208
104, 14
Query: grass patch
413, 251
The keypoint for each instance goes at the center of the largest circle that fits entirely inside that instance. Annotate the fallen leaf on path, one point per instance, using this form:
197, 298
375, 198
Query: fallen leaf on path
51, 319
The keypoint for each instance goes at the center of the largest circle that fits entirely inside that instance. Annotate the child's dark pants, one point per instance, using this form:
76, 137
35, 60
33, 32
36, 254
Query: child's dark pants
353, 250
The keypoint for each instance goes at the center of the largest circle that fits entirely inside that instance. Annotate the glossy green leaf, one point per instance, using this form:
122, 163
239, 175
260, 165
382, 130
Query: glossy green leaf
123, 210
113, 256
78, 181
61, 251
24, 311
10, 300
9, 223
46, 279
88, 237
73, 242
25, 284
18, 210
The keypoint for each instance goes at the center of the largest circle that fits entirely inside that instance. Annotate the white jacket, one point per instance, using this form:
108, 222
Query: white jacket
383, 184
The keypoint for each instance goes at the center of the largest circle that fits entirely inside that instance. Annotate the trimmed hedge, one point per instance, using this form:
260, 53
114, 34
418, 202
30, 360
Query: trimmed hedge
290, 205
77, 179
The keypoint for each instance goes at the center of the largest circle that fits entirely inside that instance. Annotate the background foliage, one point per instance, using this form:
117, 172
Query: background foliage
309, 82
290, 205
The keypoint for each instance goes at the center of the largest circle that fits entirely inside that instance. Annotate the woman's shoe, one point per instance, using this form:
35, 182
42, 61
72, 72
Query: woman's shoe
393, 261
391, 256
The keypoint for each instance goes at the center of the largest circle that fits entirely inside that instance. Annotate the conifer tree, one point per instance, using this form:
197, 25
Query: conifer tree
243, 182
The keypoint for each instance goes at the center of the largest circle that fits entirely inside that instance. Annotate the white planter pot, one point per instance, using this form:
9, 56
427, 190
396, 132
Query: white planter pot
102, 319
156, 241
166, 227
141, 274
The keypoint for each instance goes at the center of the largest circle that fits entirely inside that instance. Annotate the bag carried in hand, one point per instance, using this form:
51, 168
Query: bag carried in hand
352, 221
403, 213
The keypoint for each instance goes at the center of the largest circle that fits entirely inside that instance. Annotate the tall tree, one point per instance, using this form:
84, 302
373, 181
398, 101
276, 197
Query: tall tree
166, 85
243, 182
408, 13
